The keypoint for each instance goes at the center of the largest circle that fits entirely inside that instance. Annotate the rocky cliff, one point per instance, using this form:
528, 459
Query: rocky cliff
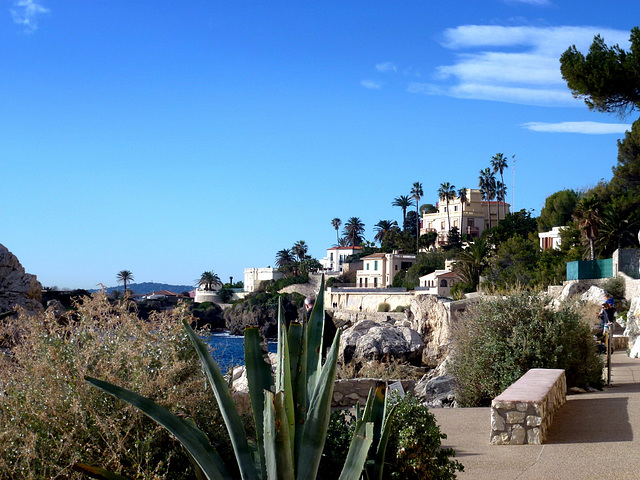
17, 288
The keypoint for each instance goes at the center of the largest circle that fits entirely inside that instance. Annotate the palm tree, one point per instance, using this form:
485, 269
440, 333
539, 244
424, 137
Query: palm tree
501, 195
447, 192
404, 202
470, 262
300, 249
382, 227
336, 222
284, 258
124, 276
462, 195
499, 164
587, 214
487, 184
417, 193
208, 280
353, 230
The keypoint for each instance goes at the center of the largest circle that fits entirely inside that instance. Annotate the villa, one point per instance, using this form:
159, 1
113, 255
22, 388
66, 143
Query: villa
471, 218
336, 256
379, 269
551, 239
253, 277
438, 283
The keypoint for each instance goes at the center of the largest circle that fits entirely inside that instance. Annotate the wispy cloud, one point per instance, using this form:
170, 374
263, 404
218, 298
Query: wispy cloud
26, 13
511, 64
371, 84
386, 67
591, 128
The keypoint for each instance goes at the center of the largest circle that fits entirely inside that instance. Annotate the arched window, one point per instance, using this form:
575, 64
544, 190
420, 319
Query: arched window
443, 282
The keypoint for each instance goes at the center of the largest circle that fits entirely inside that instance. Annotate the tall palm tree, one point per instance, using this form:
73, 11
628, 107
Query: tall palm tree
417, 193
462, 195
487, 184
470, 262
284, 258
501, 195
208, 280
404, 202
499, 164
336, 222
353, 230
382, 227
447, 192
124, 276
587, 214
300, 249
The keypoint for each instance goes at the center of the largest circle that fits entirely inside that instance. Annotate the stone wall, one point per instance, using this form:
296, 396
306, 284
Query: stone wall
627, 260
365, 301
523, 413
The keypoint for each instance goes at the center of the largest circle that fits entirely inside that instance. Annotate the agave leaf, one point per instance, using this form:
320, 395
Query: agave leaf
259, 378
279, 457
200, 475
97, 472
283, 379
381, 451
297, 348
227, 407
192, 438
315, 429
270, 434
358, 450
314, 341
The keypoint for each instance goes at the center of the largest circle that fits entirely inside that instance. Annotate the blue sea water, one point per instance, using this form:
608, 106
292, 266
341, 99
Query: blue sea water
228, 350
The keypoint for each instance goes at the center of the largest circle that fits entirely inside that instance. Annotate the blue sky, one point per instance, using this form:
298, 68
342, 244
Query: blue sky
170, 138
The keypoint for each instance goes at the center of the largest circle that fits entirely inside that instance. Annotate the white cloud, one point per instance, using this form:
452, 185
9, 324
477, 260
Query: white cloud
26, 12
371, 84
591, 128
537, 3
511, 64
386, 67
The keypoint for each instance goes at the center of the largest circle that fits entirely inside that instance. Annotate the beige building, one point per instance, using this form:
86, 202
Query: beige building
471, 218
253, 277
379, 269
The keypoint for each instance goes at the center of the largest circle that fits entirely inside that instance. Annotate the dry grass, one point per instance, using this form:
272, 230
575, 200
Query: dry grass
391, 370
51, 418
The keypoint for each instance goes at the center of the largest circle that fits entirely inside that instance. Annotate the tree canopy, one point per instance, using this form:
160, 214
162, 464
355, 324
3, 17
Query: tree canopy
557, 210
607, 77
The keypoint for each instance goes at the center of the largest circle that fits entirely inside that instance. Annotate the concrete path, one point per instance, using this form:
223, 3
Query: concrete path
593, 436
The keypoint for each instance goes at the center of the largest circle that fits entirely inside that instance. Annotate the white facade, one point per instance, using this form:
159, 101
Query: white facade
439, 282
336, 256
551, 239
378, 270
253, 277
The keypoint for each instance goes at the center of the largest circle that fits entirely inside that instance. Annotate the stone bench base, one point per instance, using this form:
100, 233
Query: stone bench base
524, 411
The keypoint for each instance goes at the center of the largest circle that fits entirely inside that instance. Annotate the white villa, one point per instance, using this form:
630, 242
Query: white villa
471, 218
253, 277
379, 269
336, 256
439, 282
551, 239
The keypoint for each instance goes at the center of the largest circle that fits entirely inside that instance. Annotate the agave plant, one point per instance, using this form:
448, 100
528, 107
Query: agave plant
291, 411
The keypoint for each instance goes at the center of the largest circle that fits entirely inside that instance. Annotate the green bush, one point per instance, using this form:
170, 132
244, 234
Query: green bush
499, 339
384, 307
414, 450
614, 286
400, 308
286, 281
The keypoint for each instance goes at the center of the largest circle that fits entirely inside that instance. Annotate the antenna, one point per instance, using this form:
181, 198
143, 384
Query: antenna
513, 185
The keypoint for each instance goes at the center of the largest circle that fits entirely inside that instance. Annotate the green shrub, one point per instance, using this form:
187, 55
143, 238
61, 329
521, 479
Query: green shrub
499, 339
400, 308
51, 418
615, 286
414, 450
384, 307
286, 281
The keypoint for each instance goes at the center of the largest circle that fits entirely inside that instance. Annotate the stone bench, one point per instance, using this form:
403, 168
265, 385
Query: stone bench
524, 411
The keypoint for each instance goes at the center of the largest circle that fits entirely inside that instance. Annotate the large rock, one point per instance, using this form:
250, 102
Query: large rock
595, 295
369, 340
633, 327
436, 392
17, 288
431, 317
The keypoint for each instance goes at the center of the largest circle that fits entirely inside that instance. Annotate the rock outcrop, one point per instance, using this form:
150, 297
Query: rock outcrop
17, 288
633, 327
431, 317
368, 340
595, 295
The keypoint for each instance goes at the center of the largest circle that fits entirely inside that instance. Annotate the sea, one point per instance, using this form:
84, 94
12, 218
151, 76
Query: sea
228, 350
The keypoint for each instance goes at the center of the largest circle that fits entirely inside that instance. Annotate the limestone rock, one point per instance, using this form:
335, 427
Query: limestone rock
436, 392
633, 327
17, 288
431, 317
369, 340
595, 295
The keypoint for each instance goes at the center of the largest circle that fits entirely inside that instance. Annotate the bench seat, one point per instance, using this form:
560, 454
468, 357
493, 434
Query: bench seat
524, 411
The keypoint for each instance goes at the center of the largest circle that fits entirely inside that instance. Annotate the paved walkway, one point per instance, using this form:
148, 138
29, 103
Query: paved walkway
593, 436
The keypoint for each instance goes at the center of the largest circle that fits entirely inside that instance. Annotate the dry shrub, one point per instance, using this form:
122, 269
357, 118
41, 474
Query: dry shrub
390, 370
51, 418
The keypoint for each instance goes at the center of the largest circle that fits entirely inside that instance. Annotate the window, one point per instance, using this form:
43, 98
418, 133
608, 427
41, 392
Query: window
367, 265
442, 225
331, 256
360, 282
455, 223
375, 264
396, 267
455, 208
366, 282
470, 222
443, 282
375, 282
